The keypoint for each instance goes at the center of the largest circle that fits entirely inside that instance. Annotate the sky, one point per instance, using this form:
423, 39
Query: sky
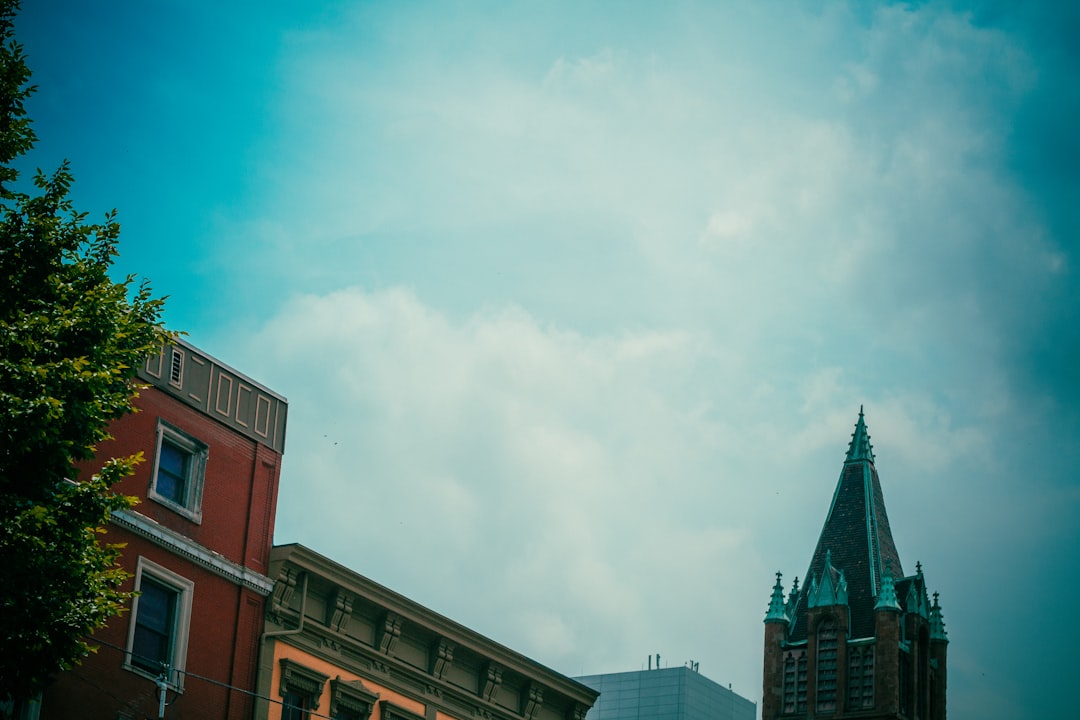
575, 303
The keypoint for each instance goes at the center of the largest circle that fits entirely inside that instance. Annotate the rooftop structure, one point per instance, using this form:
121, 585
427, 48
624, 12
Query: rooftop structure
673, 693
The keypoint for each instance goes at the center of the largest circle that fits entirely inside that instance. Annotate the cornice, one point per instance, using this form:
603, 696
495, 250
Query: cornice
374, 667
187, 548
402, 607
369, 663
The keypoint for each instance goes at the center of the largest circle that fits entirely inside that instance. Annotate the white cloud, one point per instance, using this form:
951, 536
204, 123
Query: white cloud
596, 315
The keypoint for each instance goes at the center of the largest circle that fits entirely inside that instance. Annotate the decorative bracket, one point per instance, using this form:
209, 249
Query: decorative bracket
390, 633
284, 589
533, 701
442, 657
492, 679
340, 610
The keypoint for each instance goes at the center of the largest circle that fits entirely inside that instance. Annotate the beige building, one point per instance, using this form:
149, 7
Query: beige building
338, 645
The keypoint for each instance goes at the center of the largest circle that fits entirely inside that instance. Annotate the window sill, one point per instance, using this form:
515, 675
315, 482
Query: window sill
194, 516
177, 686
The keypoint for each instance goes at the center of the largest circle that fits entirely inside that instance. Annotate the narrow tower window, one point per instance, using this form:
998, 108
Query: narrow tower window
800, 691
860, 678
789, 683
826, 666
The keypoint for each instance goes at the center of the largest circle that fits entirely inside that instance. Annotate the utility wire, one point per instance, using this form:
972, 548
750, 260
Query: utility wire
284, 705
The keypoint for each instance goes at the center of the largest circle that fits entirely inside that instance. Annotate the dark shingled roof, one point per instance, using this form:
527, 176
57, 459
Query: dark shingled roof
857, 533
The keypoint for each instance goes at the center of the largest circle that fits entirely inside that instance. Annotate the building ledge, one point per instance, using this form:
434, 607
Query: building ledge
184, 546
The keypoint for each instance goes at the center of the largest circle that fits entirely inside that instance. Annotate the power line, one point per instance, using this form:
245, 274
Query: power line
186, 673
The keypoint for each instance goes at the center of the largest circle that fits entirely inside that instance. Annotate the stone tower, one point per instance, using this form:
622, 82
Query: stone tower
859, 639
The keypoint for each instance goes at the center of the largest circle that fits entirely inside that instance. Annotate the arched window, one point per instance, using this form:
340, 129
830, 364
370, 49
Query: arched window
905, 681
826, 665
800, 690
794, 682
924, 672
854, 677
860, 677
789, 683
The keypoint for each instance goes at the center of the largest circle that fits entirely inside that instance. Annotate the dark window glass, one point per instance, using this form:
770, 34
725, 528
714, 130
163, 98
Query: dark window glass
294, 706
155, 625
172, 478
789, 684
826, 666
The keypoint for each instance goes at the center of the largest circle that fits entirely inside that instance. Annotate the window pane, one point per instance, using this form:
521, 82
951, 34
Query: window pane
154, 626
173, 464
293, 706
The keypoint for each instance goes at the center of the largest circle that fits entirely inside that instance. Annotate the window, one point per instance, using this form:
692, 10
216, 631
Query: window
176, 367
350, 700
826, 666
300, 690
160, 613
390, 711
795, 682
294, 706
860, 677
789, 684
801, 687
179, 467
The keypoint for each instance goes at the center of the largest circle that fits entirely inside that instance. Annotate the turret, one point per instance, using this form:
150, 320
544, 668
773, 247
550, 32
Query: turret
776, 627
939, 655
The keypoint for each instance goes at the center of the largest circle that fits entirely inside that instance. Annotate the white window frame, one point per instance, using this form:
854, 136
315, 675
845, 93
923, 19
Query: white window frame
185, 589
198, 452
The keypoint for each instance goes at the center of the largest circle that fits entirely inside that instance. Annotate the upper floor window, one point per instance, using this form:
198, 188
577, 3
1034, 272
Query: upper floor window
160, 615
826, 666
295, 706
179, 468
350, 700
860, 677
300, 690
795, 681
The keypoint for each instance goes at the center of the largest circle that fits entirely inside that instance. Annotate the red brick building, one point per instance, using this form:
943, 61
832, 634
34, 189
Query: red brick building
198, 545
859, 639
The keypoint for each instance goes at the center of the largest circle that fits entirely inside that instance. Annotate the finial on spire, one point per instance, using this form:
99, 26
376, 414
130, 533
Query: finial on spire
860, 447
918, 567
793, 598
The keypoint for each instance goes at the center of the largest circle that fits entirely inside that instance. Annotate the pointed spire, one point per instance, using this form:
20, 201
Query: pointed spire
793, 598
860, 447
937, 624
887, 597
916, 602
777, 612
832, 590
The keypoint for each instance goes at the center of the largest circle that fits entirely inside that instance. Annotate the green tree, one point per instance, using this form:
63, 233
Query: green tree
70, 340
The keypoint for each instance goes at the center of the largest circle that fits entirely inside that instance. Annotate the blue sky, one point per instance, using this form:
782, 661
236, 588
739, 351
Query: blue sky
575, 304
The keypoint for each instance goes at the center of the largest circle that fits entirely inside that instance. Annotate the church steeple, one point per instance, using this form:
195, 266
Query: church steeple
857, 533
860, 639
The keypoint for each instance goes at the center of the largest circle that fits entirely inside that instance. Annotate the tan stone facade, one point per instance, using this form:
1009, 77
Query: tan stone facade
339, 645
